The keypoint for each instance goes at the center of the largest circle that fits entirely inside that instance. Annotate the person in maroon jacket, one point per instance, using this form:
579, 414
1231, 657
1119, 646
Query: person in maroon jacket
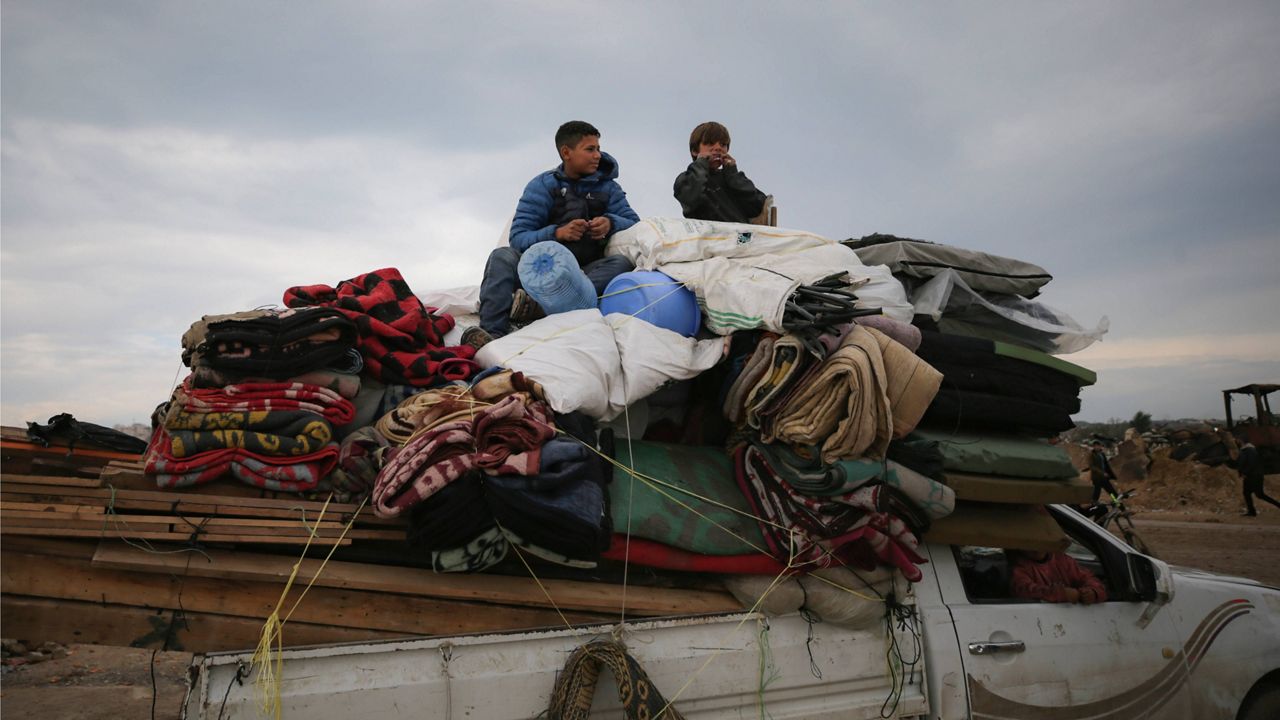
1054, 577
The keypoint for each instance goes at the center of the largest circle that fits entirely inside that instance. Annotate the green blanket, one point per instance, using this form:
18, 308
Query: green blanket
704, 472
1004, 455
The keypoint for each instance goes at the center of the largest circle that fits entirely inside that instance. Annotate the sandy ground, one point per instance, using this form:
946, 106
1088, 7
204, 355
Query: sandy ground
1188, 515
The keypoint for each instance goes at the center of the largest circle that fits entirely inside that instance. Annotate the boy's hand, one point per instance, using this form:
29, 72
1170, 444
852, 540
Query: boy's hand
714, 160
728, 161
599, 227
572, 231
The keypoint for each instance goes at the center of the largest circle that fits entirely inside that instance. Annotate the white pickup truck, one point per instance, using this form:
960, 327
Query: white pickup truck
1168, 643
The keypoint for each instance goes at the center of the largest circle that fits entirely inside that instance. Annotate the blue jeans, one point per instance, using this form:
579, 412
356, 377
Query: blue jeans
502, 277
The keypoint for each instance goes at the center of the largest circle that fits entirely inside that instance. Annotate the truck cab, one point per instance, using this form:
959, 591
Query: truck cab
1165, 644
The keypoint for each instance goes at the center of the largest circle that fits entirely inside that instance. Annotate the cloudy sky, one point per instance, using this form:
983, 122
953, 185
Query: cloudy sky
166, 160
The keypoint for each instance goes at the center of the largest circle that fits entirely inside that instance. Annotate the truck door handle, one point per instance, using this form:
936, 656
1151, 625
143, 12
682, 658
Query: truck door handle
987, 648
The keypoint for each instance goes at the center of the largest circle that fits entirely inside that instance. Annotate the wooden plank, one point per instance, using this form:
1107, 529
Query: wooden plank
191, 506
567, 594
26, 446
59, 480
67, 621
112, 533
293, 503
8, 506
982, 488
56, 547
77, 579
1021, 527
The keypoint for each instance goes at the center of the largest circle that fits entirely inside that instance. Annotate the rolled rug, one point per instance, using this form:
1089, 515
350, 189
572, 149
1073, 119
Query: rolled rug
910, 383
752, 371
787, 361
844, 405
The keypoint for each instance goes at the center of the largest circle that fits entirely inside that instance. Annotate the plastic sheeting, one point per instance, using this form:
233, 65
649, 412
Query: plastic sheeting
744, 274
960, 309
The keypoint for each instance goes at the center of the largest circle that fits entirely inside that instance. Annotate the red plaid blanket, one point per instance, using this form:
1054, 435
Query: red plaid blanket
401, 340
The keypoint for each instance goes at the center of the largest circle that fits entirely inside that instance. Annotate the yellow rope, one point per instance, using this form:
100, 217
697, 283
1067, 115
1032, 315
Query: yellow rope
267, 678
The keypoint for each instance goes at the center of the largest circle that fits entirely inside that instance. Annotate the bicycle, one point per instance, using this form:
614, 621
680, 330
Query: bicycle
1115, 511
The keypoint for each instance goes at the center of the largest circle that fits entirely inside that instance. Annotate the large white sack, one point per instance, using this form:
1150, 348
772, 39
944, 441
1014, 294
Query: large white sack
653, 357
572, 354
600, 365
751, 292
656, 241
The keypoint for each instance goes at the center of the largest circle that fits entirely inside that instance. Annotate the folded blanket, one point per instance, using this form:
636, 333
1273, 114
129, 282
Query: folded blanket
271, 343
345, 384
807, 532
453, 516
502, 439
254, 397
481, 552
361, 456
651, 553
956, 409
907, 334
562, 507
298, 433
282, 474
437, 406
422, 467
803, 470
401, 340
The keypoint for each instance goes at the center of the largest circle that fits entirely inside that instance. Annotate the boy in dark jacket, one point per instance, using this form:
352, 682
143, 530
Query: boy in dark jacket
713, 188
578, 204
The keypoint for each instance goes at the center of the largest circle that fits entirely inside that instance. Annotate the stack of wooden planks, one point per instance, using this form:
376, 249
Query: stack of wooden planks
97, 554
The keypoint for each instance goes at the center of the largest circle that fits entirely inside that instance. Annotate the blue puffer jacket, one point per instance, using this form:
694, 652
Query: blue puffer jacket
551, 200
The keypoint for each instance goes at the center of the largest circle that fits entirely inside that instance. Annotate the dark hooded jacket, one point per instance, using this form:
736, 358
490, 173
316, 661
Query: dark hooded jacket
725, 195
552, 199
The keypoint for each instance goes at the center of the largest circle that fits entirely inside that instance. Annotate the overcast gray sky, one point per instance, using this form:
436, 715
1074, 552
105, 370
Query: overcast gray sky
166, 160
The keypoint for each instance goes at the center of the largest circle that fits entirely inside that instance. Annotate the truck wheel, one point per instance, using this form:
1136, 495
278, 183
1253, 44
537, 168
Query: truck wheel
1262, 703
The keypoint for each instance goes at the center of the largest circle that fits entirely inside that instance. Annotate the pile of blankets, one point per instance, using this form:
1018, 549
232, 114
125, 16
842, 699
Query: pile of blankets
272, 391
483, 467
266, 390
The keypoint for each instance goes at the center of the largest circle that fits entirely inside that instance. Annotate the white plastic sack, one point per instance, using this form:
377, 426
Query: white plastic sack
949, 300
653, 357
751, 292
572, 354
656, 241
600, 365
453, 301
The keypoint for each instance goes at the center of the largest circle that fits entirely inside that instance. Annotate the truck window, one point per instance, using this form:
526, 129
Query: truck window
985, 571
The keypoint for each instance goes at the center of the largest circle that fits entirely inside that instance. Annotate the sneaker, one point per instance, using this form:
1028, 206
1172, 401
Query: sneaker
476, 337
524, 309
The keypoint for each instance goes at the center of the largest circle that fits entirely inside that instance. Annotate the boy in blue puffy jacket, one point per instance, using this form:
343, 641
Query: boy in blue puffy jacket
578, 204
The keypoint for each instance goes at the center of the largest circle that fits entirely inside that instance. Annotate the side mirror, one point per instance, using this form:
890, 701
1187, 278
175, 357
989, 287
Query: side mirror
1150, 580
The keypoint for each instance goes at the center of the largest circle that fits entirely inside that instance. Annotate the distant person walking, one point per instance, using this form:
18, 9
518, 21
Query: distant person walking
1249, 465
1100, 472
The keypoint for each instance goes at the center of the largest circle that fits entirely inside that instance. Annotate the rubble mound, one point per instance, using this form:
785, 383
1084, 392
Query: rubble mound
1186, 486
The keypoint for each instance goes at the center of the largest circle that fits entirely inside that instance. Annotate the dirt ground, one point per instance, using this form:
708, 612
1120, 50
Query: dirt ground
1188, 514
